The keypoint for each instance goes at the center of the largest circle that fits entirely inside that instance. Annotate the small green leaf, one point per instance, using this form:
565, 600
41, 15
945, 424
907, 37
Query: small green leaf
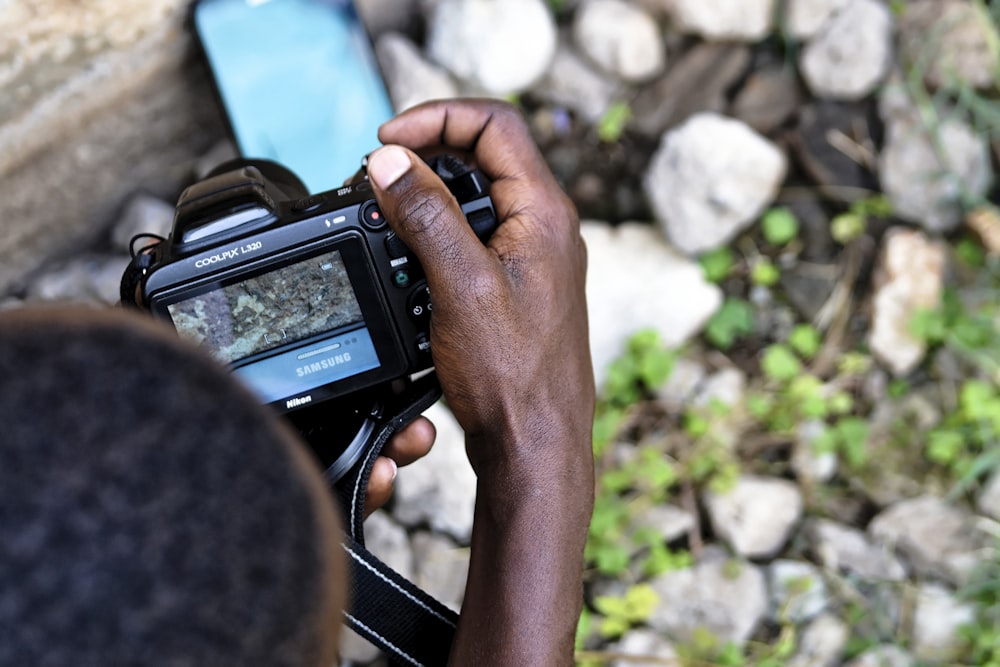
944, 446
846, 227
611, 126
733, 320
717, 264
805, 340
780, 363
765, 273
779, 226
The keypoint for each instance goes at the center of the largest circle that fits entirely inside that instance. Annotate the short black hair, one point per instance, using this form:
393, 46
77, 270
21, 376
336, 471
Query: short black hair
150, 511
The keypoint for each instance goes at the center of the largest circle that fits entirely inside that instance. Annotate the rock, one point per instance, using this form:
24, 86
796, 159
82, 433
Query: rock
709, 179
757, 515
810, 465
938, 539
93, 279
441, 568
620, 37
809, 286
834, 146
845, 549
989, 498
355, 649
696, 82
440, 489
409, 78
682, 384
388, 540
768, 98
726, 387
668, 520
143, 214
951, 40
884, 655
639, 644
720, 20
936, 621
574, 83
474, 40
909, 279
798, 592
851, 55
636, 281
805, 18
726, 597
926, 173
823, 642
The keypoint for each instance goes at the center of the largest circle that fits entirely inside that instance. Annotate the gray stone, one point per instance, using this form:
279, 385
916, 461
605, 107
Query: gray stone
951, 40
682, 384
709, 179
143, 214
388, 540
909, 279
725, 387
639, 644
668, 520
620, 37
884, 655
744, 20
92, 279
833, 143
851, 55
636, 281
936, 620
988, 501
768, 98
574, 83
845, 549
475, 40
938, 539
823, 642
441, 568
810, 465
726, 597
798, 592
805, 18
440, 489
409, 77
757, 515
355, 649
696, 82
927, 173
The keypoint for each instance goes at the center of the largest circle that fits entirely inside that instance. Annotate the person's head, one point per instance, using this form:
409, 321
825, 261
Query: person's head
151, 511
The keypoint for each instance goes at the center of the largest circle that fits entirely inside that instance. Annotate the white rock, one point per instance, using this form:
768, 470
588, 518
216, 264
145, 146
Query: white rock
798, 592
409, 78
936, 621
909, 278
742, 20
441, 568
725, 387
757, 515
805, 18
726, 597
951, 39
809, 464
853, 52
680, 387
926, 174
937, 538
621, 38
822, 643
143, 214
92, 279
636, 281
573, 82
388, 540
668, 520
500, 46
638, 644
709, 179
989, 498
439, 489
884, 655
847, 549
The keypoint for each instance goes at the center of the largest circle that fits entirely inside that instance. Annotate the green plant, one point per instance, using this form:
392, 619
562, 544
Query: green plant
764, 273
779, 226
612, 124
621, 613
717, 264
732, 321
851, 224
983, 632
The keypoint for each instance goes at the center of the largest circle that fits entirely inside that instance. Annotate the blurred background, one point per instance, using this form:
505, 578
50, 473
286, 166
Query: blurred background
791, 213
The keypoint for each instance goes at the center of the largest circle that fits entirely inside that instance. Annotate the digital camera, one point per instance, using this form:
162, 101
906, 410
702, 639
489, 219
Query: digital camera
307, 298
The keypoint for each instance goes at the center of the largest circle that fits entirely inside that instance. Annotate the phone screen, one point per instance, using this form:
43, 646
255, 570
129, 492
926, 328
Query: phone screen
298, 81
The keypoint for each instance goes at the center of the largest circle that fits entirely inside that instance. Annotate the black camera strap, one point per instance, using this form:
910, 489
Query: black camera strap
410, 626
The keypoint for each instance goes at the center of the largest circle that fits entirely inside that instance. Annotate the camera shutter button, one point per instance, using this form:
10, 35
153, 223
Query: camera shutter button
310, 203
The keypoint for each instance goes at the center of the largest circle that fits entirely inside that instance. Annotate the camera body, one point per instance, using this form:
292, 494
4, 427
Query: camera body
307, 298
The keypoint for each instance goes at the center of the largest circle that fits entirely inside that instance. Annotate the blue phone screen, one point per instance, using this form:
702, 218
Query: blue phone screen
298, 81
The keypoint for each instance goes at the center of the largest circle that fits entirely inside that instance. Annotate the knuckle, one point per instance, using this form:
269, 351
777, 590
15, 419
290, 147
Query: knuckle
420, 211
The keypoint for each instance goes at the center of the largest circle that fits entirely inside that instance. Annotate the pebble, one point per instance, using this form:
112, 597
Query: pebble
409, 77
756, 516
621, 38
884, 655
822, 643
936, 622
573, 82
719, 20
639, 644
846, 549
798, 592
805, 18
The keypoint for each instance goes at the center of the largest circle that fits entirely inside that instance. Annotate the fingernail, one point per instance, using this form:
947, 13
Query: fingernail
395, 470
387, 165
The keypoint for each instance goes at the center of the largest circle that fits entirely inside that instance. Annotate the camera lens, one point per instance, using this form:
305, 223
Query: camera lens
371, 216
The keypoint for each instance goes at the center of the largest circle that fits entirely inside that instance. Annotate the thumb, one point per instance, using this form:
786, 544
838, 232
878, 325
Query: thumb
423, 212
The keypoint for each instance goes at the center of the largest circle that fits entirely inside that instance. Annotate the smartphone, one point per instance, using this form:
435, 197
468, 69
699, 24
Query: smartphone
298, 81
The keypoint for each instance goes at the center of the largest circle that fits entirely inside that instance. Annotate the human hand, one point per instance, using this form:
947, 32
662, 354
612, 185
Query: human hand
405, 447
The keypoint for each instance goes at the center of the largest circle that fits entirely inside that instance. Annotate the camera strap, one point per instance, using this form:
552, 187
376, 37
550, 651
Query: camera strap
410, 626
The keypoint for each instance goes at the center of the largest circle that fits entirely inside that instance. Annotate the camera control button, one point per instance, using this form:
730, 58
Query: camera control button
401, 278
395, 246
371, 216
419, 304
423, 343
310, 203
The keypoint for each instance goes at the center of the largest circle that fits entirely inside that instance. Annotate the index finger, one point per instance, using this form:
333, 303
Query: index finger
493, 131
